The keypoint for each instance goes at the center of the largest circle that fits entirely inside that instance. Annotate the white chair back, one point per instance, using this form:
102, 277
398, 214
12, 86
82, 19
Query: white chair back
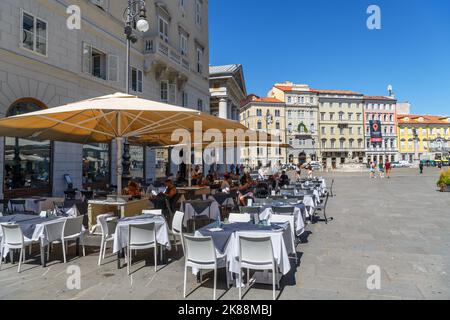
277, 218
239, 217
141, 234
12, 235
157, 212
177, 222
73, 226
102, 220
255, 250
200, 250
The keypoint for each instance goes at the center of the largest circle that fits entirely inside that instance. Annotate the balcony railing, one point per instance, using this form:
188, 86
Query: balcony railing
158, 47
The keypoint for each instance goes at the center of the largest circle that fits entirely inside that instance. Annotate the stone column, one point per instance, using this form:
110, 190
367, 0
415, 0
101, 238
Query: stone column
223, 108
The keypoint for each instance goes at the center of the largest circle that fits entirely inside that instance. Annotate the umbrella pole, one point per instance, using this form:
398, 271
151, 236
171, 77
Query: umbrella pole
119, 146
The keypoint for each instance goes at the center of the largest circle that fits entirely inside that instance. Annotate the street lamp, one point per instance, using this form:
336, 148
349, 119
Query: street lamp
134, 16
416, 147
269, 121
130, 15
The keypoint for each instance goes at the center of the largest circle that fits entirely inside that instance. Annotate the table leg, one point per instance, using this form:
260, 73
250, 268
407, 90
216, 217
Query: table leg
119, 256
43, 263
77, 252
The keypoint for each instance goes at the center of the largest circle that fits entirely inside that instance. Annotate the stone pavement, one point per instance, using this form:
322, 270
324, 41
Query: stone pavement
401, 225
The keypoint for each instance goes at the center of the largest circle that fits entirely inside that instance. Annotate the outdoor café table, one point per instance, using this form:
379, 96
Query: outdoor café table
36, 229
299, 213
32, 204
121, 234
206, 208
226, 242
223, 199
194, 190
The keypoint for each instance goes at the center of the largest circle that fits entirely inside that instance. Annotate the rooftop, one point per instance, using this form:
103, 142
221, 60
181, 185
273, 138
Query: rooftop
230, 68
427, 119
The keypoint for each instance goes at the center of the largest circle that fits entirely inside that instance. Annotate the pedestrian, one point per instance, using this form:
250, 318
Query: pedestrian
298, 172
381, 170
387, 167
372, 170
421, 167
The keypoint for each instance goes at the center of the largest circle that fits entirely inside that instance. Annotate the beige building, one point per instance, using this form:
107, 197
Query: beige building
341, 131
266, 115
302, 106
44, 64
227, 89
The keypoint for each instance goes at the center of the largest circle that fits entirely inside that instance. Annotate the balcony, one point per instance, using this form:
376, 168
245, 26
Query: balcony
161, 55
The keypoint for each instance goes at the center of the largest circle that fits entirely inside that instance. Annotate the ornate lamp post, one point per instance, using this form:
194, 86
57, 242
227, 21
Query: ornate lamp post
269, 121
416, 147
134, 16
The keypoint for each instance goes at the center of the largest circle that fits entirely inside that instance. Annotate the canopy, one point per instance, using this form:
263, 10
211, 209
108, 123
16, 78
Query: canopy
110, 117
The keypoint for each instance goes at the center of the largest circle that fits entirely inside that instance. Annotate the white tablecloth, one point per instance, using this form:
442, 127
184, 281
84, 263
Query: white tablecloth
44, 233
121, 234
189, 212
281, 242
299, 221
31, 204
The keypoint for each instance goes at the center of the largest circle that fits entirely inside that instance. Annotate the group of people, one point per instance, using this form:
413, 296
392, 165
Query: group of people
383, 169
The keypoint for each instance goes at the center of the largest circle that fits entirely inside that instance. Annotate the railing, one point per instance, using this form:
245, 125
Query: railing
157, 46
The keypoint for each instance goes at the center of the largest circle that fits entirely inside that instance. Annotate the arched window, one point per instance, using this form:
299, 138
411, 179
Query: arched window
27, 169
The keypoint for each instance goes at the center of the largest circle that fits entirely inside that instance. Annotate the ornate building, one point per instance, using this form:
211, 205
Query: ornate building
422, 135
267, 115
302, 105
44, 64
341, 131
382, 109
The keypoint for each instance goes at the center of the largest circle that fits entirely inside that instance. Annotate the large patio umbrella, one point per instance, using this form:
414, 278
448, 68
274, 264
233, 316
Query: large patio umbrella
107, 118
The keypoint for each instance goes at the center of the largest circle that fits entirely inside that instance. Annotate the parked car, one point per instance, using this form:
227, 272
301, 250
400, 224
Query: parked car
316, 165
401, 164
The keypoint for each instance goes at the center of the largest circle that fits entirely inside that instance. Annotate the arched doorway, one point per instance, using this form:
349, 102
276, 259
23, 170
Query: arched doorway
27, 162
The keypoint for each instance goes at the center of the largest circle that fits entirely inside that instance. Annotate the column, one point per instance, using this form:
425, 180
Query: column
223, 108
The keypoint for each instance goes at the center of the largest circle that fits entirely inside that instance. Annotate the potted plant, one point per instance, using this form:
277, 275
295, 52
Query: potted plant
444, 181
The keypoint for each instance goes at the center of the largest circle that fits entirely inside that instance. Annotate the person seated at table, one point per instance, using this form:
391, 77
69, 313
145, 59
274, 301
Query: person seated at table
245, 190
180, 178
284, 179
169, 194
197, 176
133, 190
210, 177
227, 185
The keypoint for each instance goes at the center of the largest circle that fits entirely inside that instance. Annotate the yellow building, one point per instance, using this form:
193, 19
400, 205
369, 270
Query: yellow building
422, 135
266, 115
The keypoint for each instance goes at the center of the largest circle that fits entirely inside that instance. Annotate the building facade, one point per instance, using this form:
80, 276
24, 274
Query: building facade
302, 107
341, 131
227, 90
382, 109
266, 115
44, 64
422, 135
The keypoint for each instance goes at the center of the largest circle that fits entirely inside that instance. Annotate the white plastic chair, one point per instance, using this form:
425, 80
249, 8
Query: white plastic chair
13, 239
177, 229
277, 218
72, 230
107, 233
239, 217
256, 253
141, 237
157, 212
201, 254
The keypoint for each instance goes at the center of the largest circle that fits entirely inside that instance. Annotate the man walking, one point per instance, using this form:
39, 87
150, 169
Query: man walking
421, 167
387, 167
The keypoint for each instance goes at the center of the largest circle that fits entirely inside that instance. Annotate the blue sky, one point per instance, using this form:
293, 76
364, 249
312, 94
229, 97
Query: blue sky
326, 44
